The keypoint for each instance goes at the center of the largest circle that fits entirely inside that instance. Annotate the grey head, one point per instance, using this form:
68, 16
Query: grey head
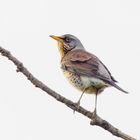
69, 42
72, 41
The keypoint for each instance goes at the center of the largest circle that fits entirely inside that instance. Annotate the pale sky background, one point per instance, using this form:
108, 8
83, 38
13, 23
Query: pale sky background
108, 28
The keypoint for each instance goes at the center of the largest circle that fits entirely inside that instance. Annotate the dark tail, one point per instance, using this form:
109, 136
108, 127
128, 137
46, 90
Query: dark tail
116, 86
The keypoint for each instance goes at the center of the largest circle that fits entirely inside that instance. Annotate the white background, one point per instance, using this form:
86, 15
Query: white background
109, 29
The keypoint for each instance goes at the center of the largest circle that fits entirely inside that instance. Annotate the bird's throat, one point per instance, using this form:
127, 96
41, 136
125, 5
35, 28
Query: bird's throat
61, 50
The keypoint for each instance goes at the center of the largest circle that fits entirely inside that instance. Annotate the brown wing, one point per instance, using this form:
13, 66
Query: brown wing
84, 63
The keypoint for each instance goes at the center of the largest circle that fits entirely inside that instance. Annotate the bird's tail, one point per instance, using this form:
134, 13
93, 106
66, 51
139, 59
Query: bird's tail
116, 86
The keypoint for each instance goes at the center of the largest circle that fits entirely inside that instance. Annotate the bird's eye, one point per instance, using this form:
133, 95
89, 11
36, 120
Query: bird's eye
67, 40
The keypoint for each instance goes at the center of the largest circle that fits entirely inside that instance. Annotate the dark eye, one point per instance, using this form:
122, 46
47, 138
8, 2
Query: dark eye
67, 40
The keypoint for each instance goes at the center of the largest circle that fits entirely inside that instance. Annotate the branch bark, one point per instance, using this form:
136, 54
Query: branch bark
95, 119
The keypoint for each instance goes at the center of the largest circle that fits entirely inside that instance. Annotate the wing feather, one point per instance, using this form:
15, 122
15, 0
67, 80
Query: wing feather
84, 63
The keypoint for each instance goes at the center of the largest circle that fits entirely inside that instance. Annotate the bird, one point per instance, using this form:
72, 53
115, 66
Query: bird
84, 70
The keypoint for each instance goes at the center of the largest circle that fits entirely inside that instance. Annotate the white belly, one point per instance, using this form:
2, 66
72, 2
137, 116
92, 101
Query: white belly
91, 81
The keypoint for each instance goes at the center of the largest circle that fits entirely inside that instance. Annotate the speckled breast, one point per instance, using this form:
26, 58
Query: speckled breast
77, 82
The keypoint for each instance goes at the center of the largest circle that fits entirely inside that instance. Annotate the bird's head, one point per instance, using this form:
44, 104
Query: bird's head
67, 43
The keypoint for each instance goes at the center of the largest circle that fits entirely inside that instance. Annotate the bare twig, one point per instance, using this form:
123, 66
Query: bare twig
96, 120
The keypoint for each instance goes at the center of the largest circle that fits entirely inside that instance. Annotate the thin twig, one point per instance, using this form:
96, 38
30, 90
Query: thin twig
96, 120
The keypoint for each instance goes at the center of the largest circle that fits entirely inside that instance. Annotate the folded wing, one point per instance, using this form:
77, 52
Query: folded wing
87, 64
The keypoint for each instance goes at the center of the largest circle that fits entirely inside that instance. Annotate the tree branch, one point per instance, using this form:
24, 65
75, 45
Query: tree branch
96, 120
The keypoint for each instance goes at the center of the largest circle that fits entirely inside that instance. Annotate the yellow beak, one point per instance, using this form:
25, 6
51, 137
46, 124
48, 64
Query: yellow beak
57, 38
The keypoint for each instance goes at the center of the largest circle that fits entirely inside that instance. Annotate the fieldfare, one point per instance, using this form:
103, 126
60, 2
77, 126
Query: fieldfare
82, 69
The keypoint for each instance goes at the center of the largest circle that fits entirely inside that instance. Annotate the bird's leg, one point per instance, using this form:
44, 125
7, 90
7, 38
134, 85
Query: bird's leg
95, 105
78, 102
95, 109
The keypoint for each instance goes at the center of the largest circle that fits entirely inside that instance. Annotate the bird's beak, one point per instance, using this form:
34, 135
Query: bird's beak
57, 38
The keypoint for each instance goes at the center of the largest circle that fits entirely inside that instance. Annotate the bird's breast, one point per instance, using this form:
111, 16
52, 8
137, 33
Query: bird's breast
84, 82
74, 79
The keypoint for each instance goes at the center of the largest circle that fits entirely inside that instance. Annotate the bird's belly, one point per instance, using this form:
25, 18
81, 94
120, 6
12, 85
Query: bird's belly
91, 81
83, 82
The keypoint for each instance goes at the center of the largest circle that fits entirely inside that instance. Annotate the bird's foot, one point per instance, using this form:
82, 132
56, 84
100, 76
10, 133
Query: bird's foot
93, 117
77, 104
94, 113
